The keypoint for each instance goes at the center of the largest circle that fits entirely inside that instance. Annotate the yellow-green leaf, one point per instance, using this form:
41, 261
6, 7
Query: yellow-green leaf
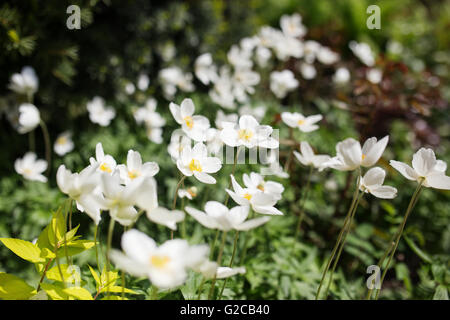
57, 228
114, 298
24, 249
70, 274
78, 293
14, 288
75, 247
108, 281
95, 275
117, 289
55, 292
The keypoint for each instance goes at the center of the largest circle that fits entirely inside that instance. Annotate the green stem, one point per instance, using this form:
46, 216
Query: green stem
227, 197
236, 238
399, 233
48, 148
245, 246
108, 248
174, 203
213, 245
96, 246
347, 218
200, 288
219, 261
43, 274
302, 204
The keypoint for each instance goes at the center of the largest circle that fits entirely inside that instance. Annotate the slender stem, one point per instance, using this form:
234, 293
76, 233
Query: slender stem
31, 141
123, 273
48, 148
302, 204
201, 287
213, 245
291, 151
108, 248
219, 261
400, 233
227, 197
347, 218
96, 246
247, 236
349, 224
174, 204
43, 274
236, 238
154, 294
57, 259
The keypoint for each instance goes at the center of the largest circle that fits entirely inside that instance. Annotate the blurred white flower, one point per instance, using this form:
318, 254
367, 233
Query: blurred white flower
243, 81
226, 272
311, 48
308, 71
299, 121
153, 120
98, 113
63, 144
425, 168
26, 82
194, 126
282, 82
372, 183
196, 162
143, 82
262, 56
363, 51
292, 25
166, 217
29, 117
341, 76
130, 88
260, 201
248, 132
374, 75
30, 167
214, 142
178, 141
222, 92
308, 158
106, 163
218, 216
166, 266
135, 168
239, 58
350, 155
326, 56
80, 187
189, 193
221, 117
173, 78
257, 112
274, 167
287, 47
204, 68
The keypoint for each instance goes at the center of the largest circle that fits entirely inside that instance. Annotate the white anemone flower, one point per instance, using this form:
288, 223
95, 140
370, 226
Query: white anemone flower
221, 117
100, 114
261, 202
143, 82
299, 121
196, 162
287, 47
292, 25
189, 193
249, 133
165, 266
274, 167
173, 78
341, 76
30, 167
218, 216
226, 272
26, 82
166, 217
350, 155
29, 117
153, 120
363, 51
106, 163
194, 126
204, 68
80, 187
239, 58
326, 56
308, 158
308, 71
372, 183
425, 168
244, 81
63, 144
374, 75
255, 182
178, 141
257, 112
222, 92
282, 82
135, 168
214, 142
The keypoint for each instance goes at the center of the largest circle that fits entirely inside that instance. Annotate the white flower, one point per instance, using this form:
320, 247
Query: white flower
239, 58
143, 82
173, 78
135, 168
29, 117
374, 75
153, 120
26, 82
130, 88
255, 182
262, 56
372, 183
282, 82
30, 168
189, 193
350, 155
341, 76
63, 144
221, 118
100, 114
166, 266
204, 68
106, 163
178, 141
243, 82
287, 47
258, 112
165, 217
214, 142
311, 49
196, 162
219, 217
425, 167
268, 37
260, 201
326, 56
308, 71
248, 133
292, 25
274, 166
80, 187
299, 121
194, 126
222, 92
363, 52
226, 272
308, 158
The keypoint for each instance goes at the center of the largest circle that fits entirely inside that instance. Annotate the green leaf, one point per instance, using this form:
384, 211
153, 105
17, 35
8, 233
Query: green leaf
420, 253
14, 288
441, 293
78, 293
117, 289
56, 292
114, 298
75, 247
69, 273
113, 276
57, 228
24, 249
95, 275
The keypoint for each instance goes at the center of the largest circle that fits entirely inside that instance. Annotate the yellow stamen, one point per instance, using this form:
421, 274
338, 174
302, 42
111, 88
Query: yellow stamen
61, 140
159, 261
245, 134
191, 192
363, 156
300, 122
133, 174
105, 167
27, 171
189, 122
260, 187
247, 196
194, 165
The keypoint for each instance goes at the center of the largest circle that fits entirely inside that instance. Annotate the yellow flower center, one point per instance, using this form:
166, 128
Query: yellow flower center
133, 174
159, 261
194, 165
189, 122
260, 187
105, 167
301, 122
27, 171
247, 196
61, 140
245, 134
191, 192
363, 156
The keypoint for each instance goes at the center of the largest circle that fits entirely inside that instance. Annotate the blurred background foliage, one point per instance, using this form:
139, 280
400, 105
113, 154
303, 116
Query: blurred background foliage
119, 40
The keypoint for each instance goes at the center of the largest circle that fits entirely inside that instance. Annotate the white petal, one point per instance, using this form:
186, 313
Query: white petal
187, 108
252, 223
166, 217
438, 180
375, 176
204, 177
404, 169
424, 161
384, 192
137, 245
